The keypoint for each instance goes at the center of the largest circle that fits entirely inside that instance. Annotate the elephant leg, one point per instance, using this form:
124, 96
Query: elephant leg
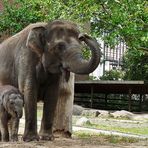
0, 136
30, 106
50, 101
0, 130
14, 124
4, 129
10, 128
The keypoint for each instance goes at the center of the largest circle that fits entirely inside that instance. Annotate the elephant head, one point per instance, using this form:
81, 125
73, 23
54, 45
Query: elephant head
14, 104
59, 45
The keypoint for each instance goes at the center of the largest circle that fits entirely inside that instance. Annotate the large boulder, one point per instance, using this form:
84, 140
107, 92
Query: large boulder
90, 112
122, 114
142, 117
77, 110
83, 121
104, 114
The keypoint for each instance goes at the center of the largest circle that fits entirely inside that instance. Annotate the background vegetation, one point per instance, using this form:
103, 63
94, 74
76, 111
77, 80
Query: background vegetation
126, 19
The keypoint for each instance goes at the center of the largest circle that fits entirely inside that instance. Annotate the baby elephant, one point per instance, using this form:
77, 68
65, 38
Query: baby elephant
11, 110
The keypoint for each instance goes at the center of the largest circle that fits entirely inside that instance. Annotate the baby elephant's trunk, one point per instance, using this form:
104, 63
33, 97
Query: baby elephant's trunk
19, 112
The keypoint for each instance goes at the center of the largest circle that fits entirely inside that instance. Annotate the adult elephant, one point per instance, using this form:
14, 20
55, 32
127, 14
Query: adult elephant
35, 58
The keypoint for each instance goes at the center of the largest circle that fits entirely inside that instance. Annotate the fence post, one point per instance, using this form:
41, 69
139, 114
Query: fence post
106, 100
92, 91
140, 102
129, 99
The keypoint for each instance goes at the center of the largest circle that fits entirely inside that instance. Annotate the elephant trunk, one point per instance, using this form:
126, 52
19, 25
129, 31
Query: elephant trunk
78, 64
19, 112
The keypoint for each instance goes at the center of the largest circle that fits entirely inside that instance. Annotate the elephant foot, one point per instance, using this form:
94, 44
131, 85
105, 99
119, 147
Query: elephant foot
46, 136
5, 138
14, 139
30, 137
62, 133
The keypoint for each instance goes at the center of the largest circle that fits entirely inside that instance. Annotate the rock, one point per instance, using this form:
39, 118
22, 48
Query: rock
104, 114
143, 117
90, 112
83, 121
122, 114
77, 110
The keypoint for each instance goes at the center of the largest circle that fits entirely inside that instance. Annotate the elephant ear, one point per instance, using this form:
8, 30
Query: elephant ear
36, 40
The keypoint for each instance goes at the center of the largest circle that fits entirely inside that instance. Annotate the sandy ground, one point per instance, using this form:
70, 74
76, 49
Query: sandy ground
93, 142
74, 142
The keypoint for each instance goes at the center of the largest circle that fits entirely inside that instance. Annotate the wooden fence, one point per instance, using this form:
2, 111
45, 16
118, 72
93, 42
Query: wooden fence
112, 95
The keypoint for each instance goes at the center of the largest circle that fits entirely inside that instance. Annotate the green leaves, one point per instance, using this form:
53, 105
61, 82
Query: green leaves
135, 65
112, 75
19, 14
126, 19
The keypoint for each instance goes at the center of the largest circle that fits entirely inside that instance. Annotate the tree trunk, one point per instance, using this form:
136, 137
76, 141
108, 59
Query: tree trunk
64, 109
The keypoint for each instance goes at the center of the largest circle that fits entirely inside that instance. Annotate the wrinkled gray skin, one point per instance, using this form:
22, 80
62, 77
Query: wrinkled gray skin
34, 59
11, 110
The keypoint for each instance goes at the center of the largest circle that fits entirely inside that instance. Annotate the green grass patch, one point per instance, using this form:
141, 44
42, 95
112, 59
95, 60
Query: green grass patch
131, 130
107, 138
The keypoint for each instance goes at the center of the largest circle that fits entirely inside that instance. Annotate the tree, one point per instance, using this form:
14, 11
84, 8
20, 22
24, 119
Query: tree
20, 13
112, 75
64, 110
135, 65
127, 18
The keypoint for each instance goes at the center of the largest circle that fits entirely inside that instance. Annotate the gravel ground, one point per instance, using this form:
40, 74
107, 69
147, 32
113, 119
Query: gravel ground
91, 142
75, 142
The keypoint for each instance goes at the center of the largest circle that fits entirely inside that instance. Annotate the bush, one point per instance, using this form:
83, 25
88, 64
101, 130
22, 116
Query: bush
112, 75
19, 13
135, 65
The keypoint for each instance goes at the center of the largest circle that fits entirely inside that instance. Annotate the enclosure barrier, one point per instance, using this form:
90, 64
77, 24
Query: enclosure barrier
112, 95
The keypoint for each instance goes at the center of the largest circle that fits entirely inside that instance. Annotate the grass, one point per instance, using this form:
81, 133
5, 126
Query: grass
131, 130
110, 138
116, 125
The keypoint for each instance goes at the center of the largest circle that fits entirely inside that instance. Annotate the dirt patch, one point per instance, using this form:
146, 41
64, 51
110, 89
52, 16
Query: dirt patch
93, 142
85, 142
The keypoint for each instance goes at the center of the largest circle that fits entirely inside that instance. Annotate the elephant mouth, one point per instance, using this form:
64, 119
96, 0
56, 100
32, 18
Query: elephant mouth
18, 115
66, 73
